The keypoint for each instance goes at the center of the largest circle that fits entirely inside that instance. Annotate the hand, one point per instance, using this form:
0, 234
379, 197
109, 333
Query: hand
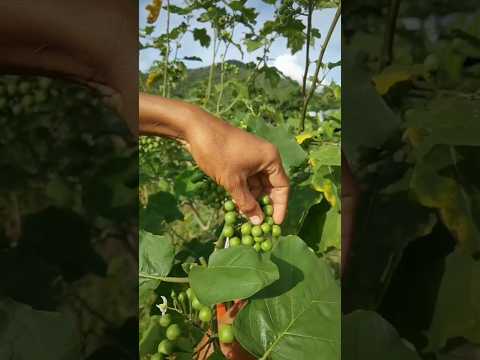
245, 165
350, 193
80, 40
226, 317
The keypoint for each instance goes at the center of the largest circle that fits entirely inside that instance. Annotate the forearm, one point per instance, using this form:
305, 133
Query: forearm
159, 116
350, 193
89, 41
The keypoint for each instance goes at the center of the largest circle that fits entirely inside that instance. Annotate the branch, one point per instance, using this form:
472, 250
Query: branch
313, 88
165, 70
197, 216
177, 280
307, 56
387, 50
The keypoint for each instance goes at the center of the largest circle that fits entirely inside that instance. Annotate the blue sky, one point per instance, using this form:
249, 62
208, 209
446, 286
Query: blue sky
290, 65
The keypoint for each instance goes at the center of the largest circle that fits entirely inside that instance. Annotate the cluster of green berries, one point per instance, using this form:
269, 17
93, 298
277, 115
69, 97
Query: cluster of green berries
261, 237
185, 302
148, 144
19, 95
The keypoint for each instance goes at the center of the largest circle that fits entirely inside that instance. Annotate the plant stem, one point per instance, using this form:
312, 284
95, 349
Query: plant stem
197, 216
307, 56
387, 50
212, 70
165, 69
313, 88
178, 280
222, 78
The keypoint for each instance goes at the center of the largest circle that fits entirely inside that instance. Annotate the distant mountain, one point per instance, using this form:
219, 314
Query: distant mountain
284, 89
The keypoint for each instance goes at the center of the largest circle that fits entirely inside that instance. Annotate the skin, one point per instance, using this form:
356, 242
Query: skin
97, 43
350, 199
101, 50
245, 165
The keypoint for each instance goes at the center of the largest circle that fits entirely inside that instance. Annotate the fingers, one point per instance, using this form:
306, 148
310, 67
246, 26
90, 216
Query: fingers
256, 186
245, 200
280, 190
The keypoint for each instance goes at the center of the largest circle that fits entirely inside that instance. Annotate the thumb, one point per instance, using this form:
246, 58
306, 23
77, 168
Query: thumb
246, 202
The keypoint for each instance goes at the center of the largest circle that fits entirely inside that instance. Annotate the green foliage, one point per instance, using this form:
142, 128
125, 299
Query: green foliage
233, 273
68, 190
27, 333
414, 153
187, 219
366, 335
278, 321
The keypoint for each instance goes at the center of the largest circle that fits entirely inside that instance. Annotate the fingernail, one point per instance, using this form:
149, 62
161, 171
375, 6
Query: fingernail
255, 220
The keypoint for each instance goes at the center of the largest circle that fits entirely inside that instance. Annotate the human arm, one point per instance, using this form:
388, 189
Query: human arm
350, 198
94, 42
245, 165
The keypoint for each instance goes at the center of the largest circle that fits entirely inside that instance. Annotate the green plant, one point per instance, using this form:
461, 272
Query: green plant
192, 238
67, 194
414, 157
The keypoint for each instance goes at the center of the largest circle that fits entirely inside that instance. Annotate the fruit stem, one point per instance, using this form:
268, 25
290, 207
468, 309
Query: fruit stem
180, 280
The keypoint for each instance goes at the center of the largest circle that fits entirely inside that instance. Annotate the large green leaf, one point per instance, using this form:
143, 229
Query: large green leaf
448, 121
292, 153
457, 312
27, 334
451, 199
161, 206
156, 256
149, 338
302, 198
321, 229
298, 316
326, 154
233, 273
367, 120
366, 335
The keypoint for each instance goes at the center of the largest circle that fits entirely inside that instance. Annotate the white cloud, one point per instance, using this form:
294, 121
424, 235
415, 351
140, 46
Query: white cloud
289, 65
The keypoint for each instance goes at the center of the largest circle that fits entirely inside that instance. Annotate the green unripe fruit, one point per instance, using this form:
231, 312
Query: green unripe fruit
44, 82
23, 87
11, 89
165, 320
225, 334
235, 241
230, 217
247, 240
16, 109
431, 62
276, 230
228, 231
182, 297
257, 247
205, 314
266, 228
27, 101
258, 239
265, 200
196, 304
246, 229
173, 332
229, 206
189, 292
165, 347
257, 231
157, 356
269, 220
267, 245
268, 210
